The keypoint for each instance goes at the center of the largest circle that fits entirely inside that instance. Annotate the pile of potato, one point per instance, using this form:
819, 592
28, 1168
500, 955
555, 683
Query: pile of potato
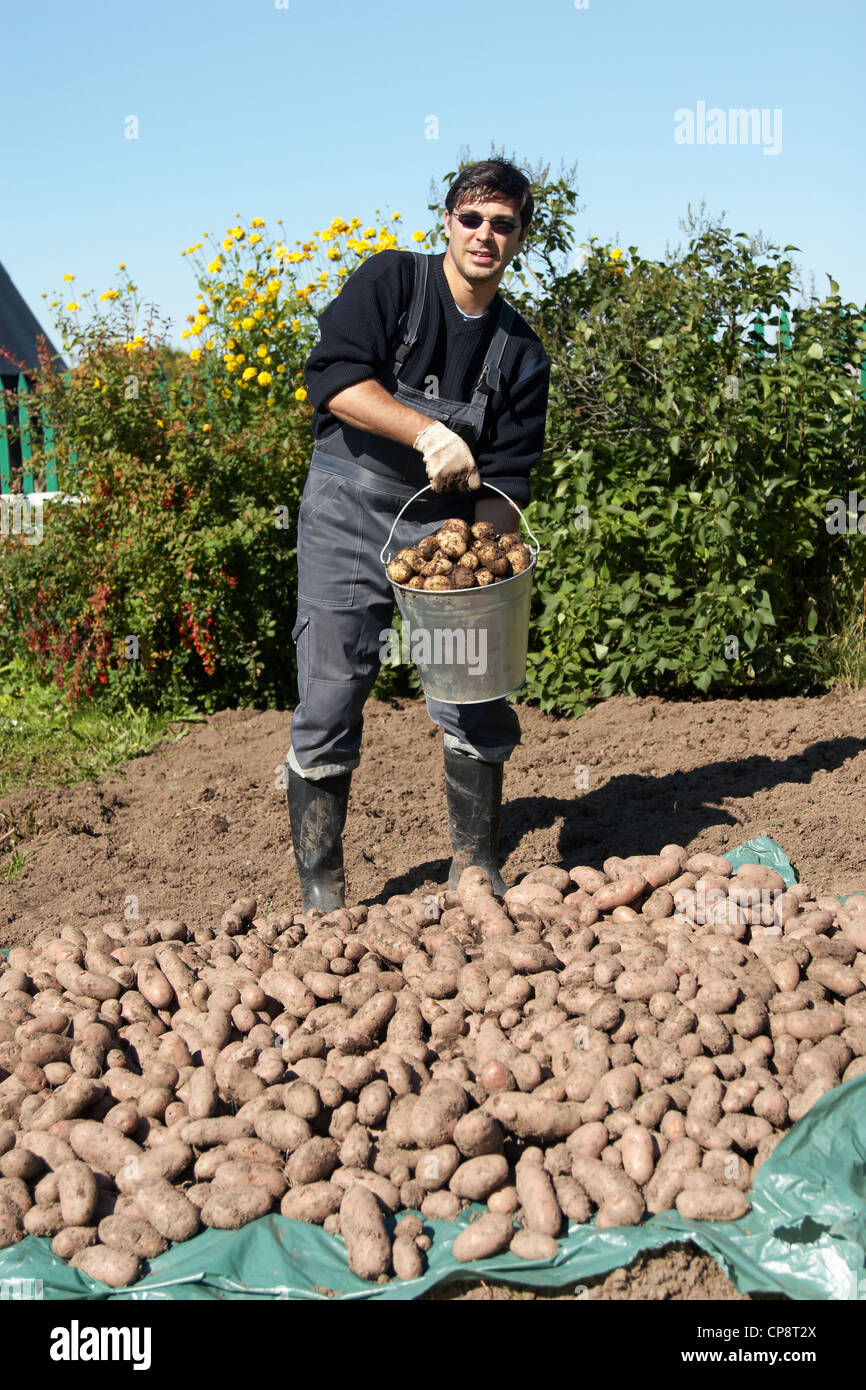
617, 1041
460, 556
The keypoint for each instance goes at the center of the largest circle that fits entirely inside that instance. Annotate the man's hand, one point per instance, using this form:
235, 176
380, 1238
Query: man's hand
447, 459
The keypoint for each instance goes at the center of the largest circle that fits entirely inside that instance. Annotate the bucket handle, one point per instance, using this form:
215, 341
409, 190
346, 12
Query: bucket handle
428, 488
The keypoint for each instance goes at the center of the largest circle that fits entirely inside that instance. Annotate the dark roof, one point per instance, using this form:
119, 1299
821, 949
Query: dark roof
18, 331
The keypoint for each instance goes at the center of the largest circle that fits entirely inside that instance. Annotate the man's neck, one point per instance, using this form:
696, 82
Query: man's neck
472, 300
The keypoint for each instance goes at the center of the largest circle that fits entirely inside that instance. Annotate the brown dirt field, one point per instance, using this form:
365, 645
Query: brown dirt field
201, 820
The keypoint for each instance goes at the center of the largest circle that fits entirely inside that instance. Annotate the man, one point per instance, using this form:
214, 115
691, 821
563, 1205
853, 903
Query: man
423, 374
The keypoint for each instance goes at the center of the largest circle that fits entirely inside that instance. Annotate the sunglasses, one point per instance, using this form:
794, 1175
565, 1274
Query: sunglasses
502, 226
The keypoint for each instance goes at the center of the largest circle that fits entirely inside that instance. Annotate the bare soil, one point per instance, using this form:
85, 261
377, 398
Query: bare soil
202, 819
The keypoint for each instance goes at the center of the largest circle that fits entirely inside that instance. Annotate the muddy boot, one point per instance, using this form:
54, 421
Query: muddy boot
474, 792
317, 811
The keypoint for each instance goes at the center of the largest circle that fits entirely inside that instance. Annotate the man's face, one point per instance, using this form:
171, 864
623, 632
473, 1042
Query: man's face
482, 254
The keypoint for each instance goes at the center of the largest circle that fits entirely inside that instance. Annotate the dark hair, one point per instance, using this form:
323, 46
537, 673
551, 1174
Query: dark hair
485, 180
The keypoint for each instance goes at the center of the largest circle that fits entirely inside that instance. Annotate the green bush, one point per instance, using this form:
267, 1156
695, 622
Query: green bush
683, 501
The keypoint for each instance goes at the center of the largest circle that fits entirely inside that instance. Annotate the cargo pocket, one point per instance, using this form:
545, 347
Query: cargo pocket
300, 637
330, 535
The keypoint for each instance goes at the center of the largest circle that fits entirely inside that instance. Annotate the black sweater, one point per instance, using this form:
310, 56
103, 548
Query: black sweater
360, 330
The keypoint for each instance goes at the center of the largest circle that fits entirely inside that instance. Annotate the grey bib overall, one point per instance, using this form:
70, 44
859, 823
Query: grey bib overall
356, 484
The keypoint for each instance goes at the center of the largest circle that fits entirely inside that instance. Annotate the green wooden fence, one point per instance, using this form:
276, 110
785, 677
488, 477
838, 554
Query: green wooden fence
31, 429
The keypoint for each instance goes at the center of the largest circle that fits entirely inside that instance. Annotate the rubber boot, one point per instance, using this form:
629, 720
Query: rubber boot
474, 792
317, 812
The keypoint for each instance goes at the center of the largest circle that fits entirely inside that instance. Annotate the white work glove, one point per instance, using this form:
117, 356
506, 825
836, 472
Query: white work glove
447, 459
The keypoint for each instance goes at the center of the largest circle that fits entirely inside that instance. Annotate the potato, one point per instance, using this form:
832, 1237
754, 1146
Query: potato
814, 1024
169, 1160
362, 1226
617, 1197
434, 1116
68, 1102
117, 1268
312, 1161
238, 1172
102, 1147
313, 1202
77, 1193
387, 1192
408, 1260
484, 1237
533, 1245
542, 1120
537, 1196
132, 1235
201, 1134
285, 1131
681, 1157
166, 1208
638, 1149
713, 1203
476, 1178
71, 1240
43, 1220
436, 1167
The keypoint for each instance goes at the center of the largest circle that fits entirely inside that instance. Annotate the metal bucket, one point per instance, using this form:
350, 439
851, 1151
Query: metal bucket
469, 644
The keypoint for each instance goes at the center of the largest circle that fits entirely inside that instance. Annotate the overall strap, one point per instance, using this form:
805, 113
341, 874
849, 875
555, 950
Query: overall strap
488, 381
416, 308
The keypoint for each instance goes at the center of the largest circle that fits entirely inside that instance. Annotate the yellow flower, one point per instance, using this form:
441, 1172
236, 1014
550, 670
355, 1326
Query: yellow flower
225, 393
230, 343
296, 325
69, 277
254, 238
335, 254
258, 314
210, 343
369, 231
417, 236
96, 381
615, 254
238, 233
231, 366
110, 294
248, 374
264, 378
395, 215
205, 427
215, 266
122, 265
300, 394
159, 422
227, 243
281, 367
247, 323
257, 222
72, 306
195, 355
261, 352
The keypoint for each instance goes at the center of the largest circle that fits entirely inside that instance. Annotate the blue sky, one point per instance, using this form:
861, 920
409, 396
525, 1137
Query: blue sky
307, 110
